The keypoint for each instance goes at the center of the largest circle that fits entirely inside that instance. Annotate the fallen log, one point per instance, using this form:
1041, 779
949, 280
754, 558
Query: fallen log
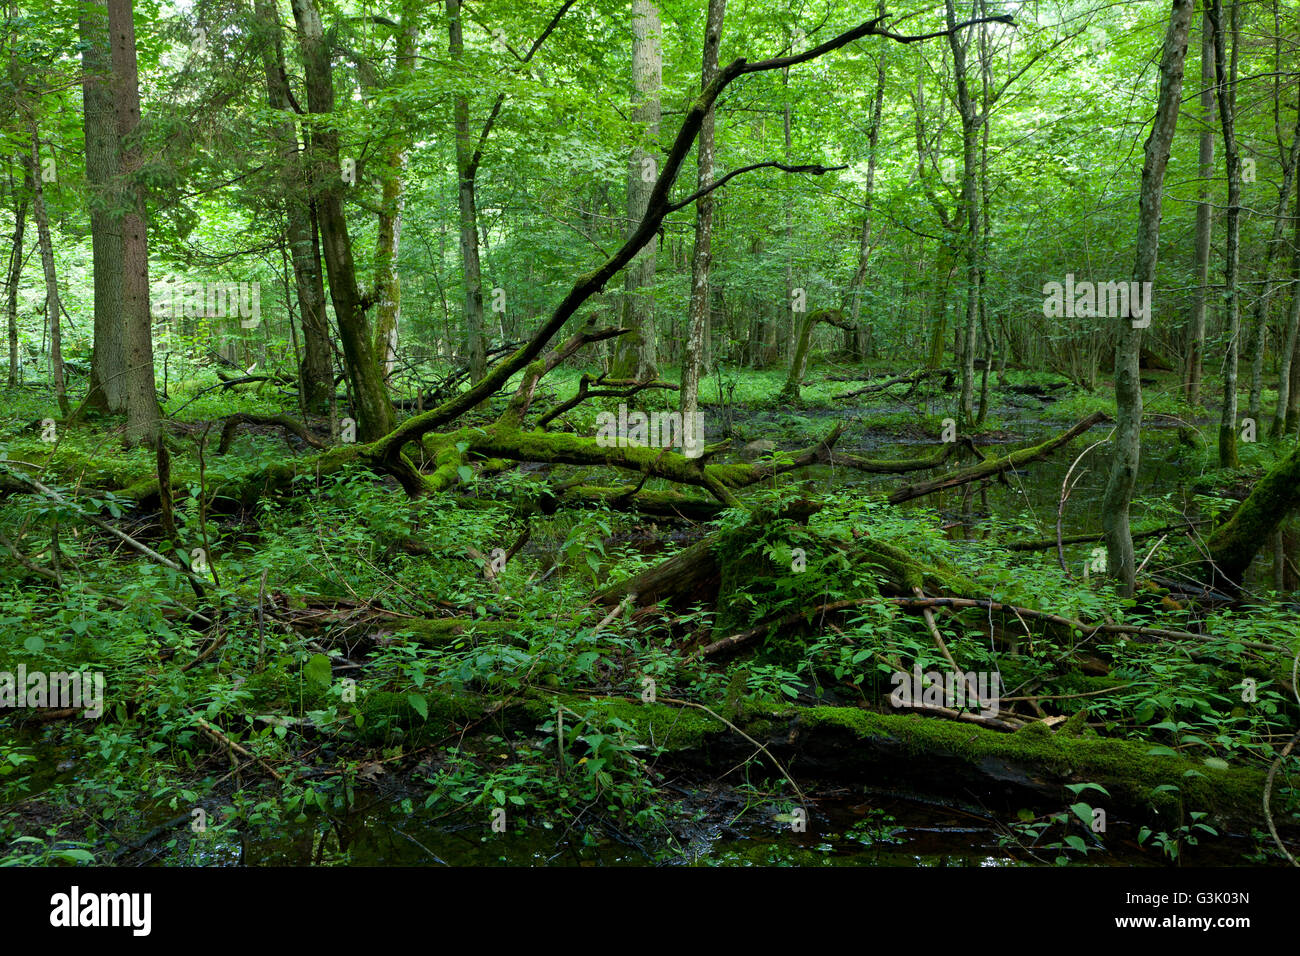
992, 467
1003, 771
895, 466
1044, 544
913, 378
283, 422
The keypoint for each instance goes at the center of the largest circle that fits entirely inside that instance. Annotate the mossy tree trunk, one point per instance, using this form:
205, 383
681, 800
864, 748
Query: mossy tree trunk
142, 413
53, 303
1128, 345
15, 273
103, 185
316, 366
702, 255
1234, 544
373, 408
1204, 218
1227, 95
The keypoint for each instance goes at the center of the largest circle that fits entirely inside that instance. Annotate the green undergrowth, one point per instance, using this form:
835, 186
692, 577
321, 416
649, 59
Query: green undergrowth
359, 636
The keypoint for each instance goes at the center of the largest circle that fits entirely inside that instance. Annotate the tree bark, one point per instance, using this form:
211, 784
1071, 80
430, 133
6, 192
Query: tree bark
316, 368
53, 304
635, 354
1287, 412
373, 408
855, 337
1128, 388
970, 199
1234, 543
15, 270
142, 411
1227, 96
392, 181
702, 256
108, 379
1204, 217
1259, 326
476, 332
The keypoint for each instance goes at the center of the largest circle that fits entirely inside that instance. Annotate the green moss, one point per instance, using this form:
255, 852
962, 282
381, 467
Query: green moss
382, 711
1077, 725
1122, 766
660, 725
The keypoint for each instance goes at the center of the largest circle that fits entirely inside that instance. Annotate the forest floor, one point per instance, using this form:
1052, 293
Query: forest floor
495, 672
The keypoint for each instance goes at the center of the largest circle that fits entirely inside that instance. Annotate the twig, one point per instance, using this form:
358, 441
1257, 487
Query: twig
222, 739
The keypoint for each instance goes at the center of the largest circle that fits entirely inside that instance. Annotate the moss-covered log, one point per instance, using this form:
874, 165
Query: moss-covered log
893, 466
992, 467
1234, 543
283, 422
1003, 771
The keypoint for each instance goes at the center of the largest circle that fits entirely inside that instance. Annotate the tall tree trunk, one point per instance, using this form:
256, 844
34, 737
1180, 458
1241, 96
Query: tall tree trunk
701, 257
52, 301
141, 396
366, 378
15, 270
316, 369
1287, 413
1128, 389
392, 180
1259, 325
1204, 217
982, 189
476, 331
970, 199
795, 322
108, 378
855, 337
1227, 95
635, 353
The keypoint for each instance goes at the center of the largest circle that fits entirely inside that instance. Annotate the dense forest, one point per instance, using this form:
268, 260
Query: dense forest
545, 432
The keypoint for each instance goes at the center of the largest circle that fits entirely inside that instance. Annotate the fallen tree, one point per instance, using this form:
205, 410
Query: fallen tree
1233, 545
992, 467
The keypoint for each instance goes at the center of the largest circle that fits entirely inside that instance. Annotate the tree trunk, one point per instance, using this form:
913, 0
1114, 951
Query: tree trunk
855, 337
1288, 384
387, 287
970, 123
1204, 218
799, 356
635, 353
1259, 326
1291, 425
702, 256
366, 378
15, 270
476, 332
141, 398
1227, 95
1128, 388
316, 369
108, 379
52, 302
1234, 543
792, 319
